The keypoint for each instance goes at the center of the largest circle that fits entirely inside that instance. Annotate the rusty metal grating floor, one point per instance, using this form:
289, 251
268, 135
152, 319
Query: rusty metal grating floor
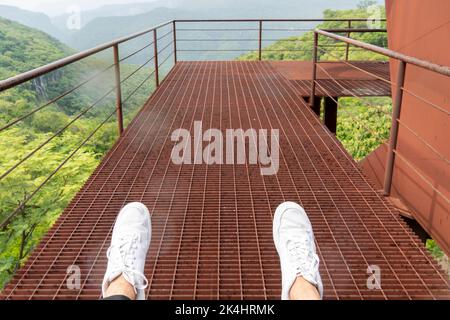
212, 225
338, 79
344, 88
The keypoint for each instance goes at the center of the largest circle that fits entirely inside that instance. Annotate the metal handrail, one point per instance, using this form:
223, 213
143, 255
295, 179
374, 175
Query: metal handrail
444, 70
29, 75
114, 45
26, 76
399, 87
260, 30
277, 20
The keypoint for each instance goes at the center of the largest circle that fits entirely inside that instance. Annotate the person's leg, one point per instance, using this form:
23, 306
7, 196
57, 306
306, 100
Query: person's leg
302, 289
124, 278
120, 287
294, 240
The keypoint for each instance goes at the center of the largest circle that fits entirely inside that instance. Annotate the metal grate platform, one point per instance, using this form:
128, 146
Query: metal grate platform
212, 225
339, 79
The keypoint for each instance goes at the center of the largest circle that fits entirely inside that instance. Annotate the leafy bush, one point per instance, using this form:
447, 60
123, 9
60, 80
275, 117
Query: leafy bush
363, 127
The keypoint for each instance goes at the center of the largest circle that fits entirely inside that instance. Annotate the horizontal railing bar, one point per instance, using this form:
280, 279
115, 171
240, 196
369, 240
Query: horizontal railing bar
26, 76
351, 30
354, 30
135, 52
275, 20
167, 58
206, 40
267, 39
238, 50
280, 40
264, 40
165, 47
139, 86
217, 29
288, 29
165, 35
444, 70
290, 50
29, 197
136, 70
55, 99
213, 50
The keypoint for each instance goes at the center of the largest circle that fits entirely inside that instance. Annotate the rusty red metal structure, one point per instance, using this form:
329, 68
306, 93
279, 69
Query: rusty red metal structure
212, 224
421, 175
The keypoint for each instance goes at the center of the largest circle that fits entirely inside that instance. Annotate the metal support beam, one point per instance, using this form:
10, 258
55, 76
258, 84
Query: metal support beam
394, 128
118, 89
348, 36
330, 115
175, 42
312, 101
155, 49
317, 105
260, 40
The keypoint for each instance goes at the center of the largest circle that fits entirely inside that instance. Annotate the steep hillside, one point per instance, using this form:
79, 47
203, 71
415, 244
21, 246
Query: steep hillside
113, 10
22, 48
108, 28
32, 19
299, 47
81, 111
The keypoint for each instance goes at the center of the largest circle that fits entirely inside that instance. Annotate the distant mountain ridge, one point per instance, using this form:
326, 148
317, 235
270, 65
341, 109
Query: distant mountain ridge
31, 19
108, 28
112, 10
23, 48
111, 21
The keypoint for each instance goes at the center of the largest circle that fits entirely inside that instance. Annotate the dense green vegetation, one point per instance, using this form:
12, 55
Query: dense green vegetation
363, 126
22, 49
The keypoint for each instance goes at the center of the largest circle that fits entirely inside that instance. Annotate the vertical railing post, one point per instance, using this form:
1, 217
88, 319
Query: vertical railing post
118, 89
175, 41
155, 49
260, 40
312, 99
394, 128
348, 36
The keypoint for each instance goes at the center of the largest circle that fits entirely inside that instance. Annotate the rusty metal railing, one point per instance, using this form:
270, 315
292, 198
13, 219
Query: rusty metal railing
117, 88
155, 37
258, 26
404, 60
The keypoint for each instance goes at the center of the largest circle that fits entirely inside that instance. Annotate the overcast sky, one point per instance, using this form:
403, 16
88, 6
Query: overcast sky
53, 7
56, 7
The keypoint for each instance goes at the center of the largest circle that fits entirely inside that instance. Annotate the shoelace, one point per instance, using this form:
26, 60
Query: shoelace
124, 260
306, 262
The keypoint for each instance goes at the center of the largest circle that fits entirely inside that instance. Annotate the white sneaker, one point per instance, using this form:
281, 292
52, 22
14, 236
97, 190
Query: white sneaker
129, 245
294, 240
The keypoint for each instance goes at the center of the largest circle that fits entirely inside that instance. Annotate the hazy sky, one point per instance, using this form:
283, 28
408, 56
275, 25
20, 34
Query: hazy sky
53, 7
